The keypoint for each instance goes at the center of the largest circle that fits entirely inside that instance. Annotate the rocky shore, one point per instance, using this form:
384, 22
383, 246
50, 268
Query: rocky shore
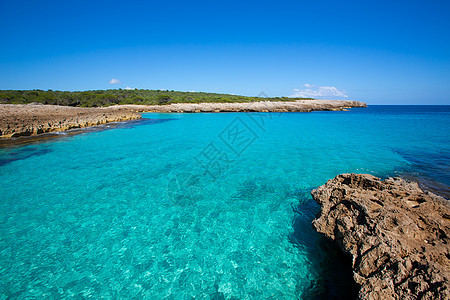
397, 234
17, 120
264, 106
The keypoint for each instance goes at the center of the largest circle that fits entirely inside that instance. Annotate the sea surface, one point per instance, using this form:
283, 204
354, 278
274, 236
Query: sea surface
205, 206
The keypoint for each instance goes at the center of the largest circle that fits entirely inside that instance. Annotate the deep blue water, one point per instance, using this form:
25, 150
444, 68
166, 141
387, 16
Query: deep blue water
212, 206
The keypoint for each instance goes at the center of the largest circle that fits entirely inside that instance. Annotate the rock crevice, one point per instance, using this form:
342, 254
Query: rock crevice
397, 235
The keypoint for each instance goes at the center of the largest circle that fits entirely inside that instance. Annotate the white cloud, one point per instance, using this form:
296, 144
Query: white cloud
114, 81
129, 88
312, 91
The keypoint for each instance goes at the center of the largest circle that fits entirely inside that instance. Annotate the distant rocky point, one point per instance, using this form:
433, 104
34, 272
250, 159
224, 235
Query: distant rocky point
261, 106
397, 235
17, 120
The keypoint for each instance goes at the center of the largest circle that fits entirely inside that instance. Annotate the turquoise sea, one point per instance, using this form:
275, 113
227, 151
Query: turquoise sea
205, 206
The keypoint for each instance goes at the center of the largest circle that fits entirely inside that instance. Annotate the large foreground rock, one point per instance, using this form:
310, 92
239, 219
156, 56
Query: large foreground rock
397, 234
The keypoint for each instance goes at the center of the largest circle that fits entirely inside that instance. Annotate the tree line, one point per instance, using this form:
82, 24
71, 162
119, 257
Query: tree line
119, 96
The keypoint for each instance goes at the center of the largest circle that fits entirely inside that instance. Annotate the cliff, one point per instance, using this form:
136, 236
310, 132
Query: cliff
397, 235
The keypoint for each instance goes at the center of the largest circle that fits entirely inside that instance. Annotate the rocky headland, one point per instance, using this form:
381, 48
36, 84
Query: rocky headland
397, 235
18, 120
262, 106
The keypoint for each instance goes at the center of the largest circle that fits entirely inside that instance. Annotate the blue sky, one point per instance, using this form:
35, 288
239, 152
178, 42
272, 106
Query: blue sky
381, 52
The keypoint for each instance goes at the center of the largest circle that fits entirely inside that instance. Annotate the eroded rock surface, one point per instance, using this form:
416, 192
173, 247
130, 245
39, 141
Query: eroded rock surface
397, 235
29, 119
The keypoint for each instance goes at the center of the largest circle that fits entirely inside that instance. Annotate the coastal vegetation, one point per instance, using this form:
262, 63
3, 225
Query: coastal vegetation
124, 96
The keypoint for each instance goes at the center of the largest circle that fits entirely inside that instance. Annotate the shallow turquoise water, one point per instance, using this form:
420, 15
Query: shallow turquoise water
199, 205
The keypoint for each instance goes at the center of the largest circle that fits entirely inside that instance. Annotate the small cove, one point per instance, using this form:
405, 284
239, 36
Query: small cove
207, 205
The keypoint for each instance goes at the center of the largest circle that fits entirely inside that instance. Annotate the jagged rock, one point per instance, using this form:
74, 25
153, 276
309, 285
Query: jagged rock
397, 235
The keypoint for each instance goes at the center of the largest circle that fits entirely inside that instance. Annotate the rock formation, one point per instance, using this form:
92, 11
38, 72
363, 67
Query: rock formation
262, 106
24, 120
397, 235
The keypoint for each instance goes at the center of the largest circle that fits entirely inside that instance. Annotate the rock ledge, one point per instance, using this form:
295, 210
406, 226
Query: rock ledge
18, 120
397, 235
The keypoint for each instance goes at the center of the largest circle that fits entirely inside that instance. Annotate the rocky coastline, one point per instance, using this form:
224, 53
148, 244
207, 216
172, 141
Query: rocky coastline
19, 120
263, 106
397, 235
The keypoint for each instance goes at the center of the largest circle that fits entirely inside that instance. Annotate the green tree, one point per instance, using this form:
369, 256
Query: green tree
164, 99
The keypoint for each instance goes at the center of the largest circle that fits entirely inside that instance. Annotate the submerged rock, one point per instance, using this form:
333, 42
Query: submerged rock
397, 235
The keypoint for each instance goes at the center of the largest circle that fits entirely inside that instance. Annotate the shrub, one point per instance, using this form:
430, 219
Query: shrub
164, 99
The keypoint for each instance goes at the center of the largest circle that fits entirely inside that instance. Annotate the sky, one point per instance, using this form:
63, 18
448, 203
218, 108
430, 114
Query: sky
380, 52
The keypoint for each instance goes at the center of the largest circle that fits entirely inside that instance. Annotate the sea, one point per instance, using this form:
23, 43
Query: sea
204, 206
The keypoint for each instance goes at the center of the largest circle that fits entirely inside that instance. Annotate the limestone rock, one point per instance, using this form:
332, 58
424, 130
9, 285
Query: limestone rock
261, 106
24, 120
397, 235
17, 120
